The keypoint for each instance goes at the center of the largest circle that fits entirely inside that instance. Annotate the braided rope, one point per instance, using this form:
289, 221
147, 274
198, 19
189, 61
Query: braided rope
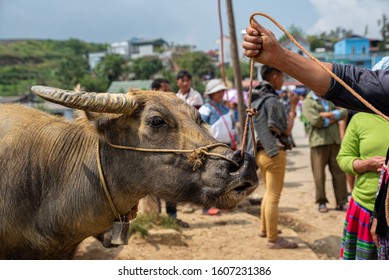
250, 113
104, 185
196, 156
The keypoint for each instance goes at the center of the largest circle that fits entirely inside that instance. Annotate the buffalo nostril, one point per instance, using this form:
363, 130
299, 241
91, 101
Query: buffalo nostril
237, 156
238, 161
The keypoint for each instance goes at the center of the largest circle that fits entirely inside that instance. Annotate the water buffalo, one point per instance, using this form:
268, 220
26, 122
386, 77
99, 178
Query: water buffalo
51, 195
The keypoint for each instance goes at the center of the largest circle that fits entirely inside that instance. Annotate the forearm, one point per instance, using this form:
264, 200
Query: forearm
368, 165
304, 70
373, 227
360, 166
312, 115
291, 116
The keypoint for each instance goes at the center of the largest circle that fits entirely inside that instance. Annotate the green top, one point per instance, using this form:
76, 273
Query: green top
367, 135
320, 130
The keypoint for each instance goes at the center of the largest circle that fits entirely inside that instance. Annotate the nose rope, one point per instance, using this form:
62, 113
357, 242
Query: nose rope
196, 156
250, 113
321, 65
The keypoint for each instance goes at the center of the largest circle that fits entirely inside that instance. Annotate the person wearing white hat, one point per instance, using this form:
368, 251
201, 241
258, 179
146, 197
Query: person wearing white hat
216, 114
219, 118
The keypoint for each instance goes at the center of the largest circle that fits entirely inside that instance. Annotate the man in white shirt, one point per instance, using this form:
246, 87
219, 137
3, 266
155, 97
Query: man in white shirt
186, 92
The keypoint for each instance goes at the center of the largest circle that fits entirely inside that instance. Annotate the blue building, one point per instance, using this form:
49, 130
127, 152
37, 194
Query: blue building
355, 50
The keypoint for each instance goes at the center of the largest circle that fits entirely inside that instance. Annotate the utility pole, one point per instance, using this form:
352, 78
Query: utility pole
236, 66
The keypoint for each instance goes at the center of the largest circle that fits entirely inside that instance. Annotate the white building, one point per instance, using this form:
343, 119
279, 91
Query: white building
140, 47
226, 49
135, 48
291, 46
95, 58
121, 48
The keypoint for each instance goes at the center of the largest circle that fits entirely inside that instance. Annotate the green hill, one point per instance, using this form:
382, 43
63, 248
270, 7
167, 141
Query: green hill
27, 62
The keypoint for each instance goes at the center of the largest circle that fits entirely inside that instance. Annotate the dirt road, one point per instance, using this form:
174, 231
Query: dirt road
234, 235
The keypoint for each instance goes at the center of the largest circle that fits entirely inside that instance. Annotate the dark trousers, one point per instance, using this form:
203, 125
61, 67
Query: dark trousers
322, 156
171, 209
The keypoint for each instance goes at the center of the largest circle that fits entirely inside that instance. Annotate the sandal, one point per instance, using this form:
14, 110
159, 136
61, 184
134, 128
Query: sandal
323, 208
282, 243
181, 223
342, 207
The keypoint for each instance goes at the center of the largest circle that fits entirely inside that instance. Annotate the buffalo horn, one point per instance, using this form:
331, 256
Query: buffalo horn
87, 101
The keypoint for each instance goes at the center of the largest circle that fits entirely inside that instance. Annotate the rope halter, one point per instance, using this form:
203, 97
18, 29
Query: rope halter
195, 157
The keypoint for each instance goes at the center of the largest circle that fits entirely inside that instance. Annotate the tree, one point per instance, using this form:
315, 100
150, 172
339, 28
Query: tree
145, 67
245, 71
94, 83
198, 63
318, 41
384, 29
295, 31
111, 67
339, 33
71, 69
76, 46
327, 40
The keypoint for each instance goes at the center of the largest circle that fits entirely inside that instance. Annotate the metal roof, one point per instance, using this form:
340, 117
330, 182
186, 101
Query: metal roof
123, 86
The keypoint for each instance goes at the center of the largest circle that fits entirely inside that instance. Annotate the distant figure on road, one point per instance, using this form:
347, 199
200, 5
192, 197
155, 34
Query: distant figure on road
324, 139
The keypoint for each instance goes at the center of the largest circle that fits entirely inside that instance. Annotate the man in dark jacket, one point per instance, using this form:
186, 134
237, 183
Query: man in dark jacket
271, 125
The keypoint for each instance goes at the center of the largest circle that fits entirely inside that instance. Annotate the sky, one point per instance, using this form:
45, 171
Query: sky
192, 22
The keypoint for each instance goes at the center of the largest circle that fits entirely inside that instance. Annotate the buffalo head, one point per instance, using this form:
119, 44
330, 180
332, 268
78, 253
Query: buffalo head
156, 121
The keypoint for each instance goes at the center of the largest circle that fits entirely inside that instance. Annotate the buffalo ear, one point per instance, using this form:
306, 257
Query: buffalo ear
102, 121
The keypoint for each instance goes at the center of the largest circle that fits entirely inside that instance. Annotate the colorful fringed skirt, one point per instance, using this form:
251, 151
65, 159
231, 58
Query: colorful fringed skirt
357, 243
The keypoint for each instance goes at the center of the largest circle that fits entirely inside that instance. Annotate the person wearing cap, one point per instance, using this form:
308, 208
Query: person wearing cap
219, 118
273, 127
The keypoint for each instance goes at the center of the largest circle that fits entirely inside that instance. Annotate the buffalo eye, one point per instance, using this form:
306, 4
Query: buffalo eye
156, 121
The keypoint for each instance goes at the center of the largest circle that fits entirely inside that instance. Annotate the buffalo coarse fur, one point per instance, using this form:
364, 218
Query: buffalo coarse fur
51, 195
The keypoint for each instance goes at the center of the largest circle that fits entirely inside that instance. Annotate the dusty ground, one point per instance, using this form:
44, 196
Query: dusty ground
233, 235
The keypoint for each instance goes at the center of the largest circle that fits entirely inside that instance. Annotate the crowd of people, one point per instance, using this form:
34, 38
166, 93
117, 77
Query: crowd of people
355, 154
